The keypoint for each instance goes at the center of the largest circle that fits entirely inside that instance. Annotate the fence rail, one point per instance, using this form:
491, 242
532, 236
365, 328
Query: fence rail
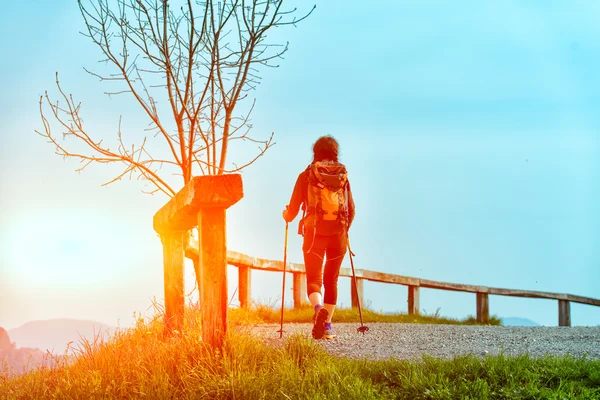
200, 207
246, 263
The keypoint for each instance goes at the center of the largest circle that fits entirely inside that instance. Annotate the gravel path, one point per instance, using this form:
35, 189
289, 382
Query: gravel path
411, 341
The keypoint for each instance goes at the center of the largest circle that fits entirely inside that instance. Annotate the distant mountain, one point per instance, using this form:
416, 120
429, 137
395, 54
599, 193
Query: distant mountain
22, 359
518, 321
53, 335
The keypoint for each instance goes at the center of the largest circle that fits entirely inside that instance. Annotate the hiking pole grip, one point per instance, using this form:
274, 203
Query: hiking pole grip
283, 283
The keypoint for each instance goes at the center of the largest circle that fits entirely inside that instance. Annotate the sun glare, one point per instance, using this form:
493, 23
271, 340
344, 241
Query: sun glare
65, 250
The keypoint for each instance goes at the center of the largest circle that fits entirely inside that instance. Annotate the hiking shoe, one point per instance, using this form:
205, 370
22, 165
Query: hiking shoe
329, 334
319, 327
317, 308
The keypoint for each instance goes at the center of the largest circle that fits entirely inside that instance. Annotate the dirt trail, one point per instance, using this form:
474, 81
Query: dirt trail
409, 341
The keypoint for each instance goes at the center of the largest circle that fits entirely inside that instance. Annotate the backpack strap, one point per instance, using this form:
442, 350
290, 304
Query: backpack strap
304, 206
344, 211
301, 222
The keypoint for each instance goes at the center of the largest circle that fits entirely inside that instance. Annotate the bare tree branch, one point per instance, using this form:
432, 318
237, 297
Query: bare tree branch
187, 68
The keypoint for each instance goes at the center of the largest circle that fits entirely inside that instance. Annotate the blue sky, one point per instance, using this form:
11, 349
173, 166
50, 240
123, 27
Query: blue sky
471, 132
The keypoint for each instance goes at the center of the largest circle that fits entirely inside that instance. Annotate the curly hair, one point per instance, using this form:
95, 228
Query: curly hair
326, 148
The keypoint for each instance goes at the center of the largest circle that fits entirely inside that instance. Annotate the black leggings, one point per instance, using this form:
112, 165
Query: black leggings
315, 248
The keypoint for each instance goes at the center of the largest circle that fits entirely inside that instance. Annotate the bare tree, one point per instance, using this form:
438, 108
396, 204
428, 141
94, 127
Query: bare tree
188, 64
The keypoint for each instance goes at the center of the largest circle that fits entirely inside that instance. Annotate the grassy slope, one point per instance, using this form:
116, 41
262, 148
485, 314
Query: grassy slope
271, 314
142, 363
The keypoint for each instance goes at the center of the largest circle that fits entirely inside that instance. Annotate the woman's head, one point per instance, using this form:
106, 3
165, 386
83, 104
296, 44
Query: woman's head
326, 148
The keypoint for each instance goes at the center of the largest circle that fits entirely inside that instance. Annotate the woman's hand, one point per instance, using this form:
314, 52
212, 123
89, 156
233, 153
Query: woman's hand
284, 214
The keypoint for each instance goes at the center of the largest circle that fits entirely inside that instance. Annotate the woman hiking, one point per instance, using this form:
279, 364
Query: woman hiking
323, 191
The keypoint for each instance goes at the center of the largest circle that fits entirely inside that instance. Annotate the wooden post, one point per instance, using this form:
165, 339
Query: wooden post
244, 285
564, 313
202, 203
213, 272
299, 289
353, 293
173, 258
413, 299
483, 310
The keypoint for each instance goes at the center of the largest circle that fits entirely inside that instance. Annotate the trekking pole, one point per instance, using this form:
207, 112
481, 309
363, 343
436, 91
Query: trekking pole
283, 284
363, 328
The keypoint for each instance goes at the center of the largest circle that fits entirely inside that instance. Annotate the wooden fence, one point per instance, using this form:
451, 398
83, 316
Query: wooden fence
202, 205
246, 264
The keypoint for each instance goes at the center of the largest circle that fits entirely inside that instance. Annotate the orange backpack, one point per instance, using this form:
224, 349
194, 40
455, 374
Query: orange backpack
327, 194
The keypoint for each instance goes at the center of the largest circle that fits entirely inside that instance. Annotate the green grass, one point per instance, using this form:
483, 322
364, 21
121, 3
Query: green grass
270, 313
142, 363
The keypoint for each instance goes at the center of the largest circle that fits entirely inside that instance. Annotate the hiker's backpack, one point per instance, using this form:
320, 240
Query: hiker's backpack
327, 194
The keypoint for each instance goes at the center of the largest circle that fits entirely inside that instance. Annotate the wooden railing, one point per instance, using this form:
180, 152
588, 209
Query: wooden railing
200, 207
246, 264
